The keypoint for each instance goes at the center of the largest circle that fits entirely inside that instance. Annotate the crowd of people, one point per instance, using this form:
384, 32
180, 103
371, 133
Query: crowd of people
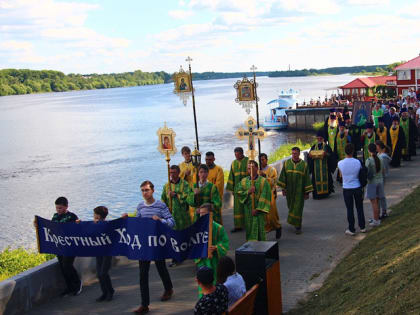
388, 135
383, 138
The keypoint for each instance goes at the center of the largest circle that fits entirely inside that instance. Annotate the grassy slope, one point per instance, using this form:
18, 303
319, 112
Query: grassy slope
381, 275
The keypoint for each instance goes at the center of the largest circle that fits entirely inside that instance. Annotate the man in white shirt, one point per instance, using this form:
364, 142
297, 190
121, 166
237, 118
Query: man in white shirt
352, 190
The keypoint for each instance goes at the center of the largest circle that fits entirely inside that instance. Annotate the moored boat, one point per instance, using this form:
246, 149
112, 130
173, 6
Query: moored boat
277, 118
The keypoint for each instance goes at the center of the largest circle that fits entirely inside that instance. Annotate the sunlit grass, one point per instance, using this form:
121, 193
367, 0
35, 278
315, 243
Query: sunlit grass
283, 151
382, 273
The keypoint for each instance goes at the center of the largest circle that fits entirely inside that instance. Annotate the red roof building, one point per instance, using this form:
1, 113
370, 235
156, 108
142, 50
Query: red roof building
408, 76
365, 87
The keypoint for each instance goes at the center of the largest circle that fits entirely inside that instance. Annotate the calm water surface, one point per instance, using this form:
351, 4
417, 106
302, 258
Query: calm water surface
95, 147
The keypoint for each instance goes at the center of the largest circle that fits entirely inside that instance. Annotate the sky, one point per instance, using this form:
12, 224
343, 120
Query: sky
92, 36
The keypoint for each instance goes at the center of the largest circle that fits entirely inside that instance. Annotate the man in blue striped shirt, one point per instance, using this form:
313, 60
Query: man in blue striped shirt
156, 210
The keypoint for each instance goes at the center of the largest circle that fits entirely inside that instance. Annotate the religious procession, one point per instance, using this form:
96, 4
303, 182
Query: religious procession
354, 149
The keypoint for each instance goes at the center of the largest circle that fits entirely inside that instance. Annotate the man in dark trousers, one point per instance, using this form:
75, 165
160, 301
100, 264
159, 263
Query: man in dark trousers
156, 210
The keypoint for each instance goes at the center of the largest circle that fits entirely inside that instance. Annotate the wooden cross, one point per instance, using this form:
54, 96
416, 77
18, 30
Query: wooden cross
251, 133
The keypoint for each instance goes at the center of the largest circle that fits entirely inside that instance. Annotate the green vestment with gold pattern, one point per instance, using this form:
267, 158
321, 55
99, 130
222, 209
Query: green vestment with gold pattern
366, 142
332, 133
180, 207
294, 178
221, 241
208, 194
255, 225
238, 170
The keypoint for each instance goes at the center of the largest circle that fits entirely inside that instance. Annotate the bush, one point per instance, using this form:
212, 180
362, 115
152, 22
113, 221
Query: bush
15, 261
318, 125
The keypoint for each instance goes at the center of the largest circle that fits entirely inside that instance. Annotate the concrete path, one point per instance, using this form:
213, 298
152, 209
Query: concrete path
305, 260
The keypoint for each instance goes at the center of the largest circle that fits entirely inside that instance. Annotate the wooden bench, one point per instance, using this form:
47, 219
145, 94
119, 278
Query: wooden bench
245, 305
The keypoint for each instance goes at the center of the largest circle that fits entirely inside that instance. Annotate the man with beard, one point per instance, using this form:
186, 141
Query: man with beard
255, 194
368, 137
410, 133
322, 164
396, 141
340, 143
382, 131
296, 186
216, 177
238, 170
175, 194
331, 129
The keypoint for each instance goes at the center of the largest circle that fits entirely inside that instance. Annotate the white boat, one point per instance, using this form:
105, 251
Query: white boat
277, 118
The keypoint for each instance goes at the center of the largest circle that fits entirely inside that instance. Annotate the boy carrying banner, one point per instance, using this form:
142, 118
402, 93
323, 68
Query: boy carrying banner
73, 282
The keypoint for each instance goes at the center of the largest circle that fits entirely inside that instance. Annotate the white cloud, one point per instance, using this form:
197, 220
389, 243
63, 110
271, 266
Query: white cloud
13, 45
368, 2
254, 8
27, 27
411, 9
321, 7
180, 14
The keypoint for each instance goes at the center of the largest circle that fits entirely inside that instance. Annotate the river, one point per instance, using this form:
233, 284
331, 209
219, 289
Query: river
96, 147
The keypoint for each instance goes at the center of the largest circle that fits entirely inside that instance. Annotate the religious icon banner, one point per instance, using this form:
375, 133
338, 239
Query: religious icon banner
134, 238
245, 90
182, 81
361, 112
166, 137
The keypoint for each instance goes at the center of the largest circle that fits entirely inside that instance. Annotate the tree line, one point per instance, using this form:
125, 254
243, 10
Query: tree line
368, 70
325, 71
24, 81
14, 81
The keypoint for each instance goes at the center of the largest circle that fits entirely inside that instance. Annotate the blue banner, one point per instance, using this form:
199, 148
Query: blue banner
135, 238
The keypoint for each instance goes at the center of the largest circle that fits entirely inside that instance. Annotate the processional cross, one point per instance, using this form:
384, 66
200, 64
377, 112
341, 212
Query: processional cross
251, 133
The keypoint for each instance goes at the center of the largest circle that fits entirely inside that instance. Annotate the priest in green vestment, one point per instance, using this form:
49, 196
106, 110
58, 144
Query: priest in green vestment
410, 133
296, 185
340, 143
368, 137
256, 212
177, 192
205, 192
331, 128
238, 170
322, 164
396, 142
219, 244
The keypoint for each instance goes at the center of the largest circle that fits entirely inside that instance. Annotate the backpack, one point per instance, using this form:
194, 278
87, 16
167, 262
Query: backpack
363, 175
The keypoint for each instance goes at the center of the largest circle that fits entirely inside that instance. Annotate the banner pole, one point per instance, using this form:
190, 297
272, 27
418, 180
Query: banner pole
209, 253
168, 159
37, 234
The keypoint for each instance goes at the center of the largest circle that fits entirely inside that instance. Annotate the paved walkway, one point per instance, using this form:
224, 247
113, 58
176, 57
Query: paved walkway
305, 260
